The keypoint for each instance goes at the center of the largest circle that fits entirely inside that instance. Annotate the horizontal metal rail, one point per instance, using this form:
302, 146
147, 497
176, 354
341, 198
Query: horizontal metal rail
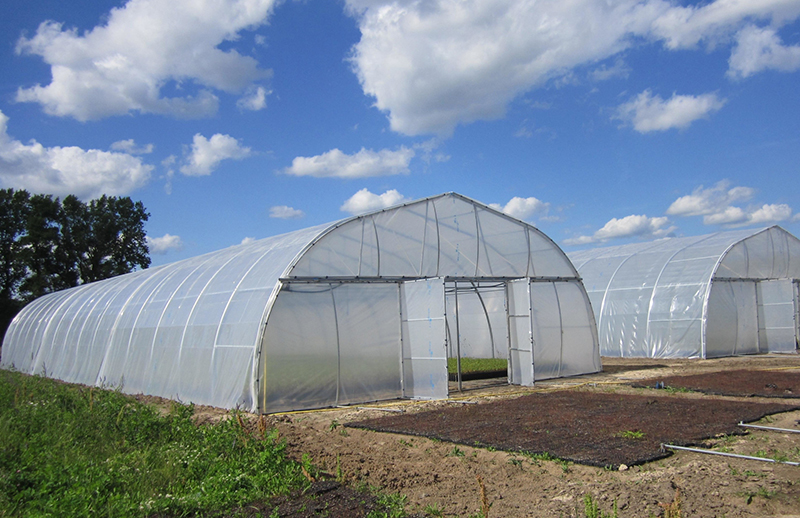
395, 279
770, 428
723, 454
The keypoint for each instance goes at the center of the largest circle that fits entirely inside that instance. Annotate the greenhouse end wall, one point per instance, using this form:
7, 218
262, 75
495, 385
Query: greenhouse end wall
696, 297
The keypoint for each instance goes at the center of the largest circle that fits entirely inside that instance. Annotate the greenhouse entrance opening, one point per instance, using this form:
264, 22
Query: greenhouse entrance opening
477, 330
515, 328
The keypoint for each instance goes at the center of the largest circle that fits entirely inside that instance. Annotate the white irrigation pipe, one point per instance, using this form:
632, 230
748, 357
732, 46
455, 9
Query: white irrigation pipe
770, 428
712, 452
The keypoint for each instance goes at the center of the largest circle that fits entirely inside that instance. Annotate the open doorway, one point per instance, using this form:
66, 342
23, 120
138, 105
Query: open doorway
477, 332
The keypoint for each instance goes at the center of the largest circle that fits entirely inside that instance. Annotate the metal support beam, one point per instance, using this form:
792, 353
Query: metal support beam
723, 454
770, 428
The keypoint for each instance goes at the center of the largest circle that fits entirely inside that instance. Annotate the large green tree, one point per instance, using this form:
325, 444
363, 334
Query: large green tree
47, 245
14, 208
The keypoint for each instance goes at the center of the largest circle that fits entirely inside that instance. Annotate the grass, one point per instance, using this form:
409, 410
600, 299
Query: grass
469, 365
631, 434
592, 509
76, 451
68, 450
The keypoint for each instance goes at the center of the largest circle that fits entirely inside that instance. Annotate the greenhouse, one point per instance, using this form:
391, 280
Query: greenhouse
722, 294
368, 308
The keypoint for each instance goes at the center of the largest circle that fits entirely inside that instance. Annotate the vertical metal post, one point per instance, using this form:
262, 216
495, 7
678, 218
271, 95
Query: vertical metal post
509, 356
458, 340
338, 346
402, 354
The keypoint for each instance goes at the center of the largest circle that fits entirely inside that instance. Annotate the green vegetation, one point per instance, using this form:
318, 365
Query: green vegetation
631, 434
68, 450
456, 452
434, 510
469, 365
76, 451
592, 509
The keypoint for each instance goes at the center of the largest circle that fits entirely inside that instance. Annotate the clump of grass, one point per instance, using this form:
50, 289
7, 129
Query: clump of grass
74, 451
456, 452
592, 509
631, 434
476, 365
434, 510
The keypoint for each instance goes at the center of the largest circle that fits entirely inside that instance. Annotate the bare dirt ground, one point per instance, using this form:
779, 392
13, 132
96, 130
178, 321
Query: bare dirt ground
441, 478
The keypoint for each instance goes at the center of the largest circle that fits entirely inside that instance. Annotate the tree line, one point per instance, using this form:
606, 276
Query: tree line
48, 244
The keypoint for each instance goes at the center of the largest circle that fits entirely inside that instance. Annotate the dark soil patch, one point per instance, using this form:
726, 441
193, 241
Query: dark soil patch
597, 429
742, 383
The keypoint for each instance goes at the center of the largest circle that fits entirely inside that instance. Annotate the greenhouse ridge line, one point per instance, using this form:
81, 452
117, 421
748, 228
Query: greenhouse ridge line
400, 279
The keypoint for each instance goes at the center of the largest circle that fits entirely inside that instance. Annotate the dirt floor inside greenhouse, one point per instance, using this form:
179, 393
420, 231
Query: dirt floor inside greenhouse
587, 417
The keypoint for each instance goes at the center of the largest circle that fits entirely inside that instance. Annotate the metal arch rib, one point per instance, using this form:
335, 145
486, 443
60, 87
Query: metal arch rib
438, 240
424, 240
478, 240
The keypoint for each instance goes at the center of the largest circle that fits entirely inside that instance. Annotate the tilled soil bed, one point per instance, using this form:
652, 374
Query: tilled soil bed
596, 429
740, 383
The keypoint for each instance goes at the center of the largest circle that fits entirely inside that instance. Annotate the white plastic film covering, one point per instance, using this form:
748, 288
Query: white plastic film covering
331, 344
776, 316
443, 236
424, 342
650, 298
769, 254
564, 336
188, 330
732, 327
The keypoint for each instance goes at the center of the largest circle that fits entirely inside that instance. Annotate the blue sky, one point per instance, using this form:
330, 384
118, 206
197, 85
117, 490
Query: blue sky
599, 122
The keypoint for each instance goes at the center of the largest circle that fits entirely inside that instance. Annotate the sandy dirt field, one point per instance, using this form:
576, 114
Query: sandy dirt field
440, 478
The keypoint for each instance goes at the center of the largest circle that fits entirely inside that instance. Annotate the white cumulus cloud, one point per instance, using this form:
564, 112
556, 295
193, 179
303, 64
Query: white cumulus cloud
522, 208
716, 205
68, 170
647, 112
604, 73
122, 65
363, 164
285, 212
714, 22
129, 146
164, 244
758, 49
255, 100
433, 65
436, 64
206, 154
639, 226
768, 214
365, 201
712, 200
